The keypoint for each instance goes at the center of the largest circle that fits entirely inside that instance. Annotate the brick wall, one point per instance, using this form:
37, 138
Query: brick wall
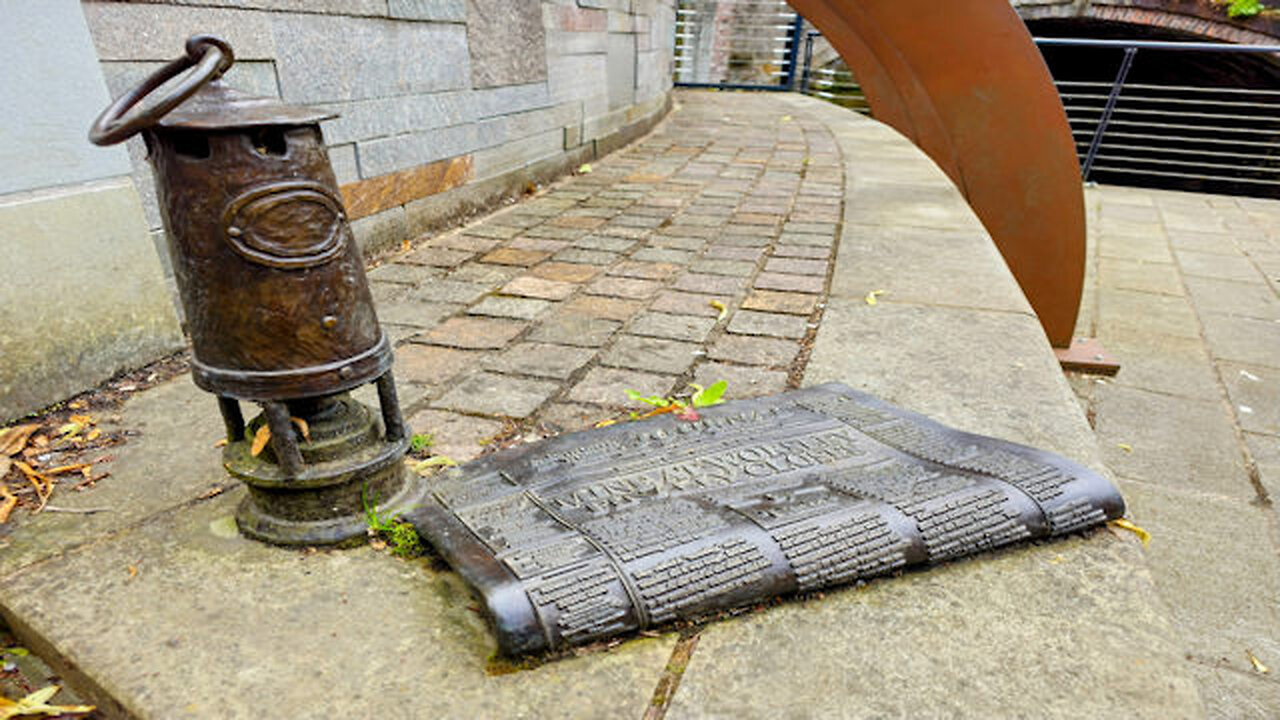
446, 105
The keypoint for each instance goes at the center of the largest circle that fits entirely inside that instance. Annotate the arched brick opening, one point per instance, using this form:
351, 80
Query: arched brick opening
1201, 19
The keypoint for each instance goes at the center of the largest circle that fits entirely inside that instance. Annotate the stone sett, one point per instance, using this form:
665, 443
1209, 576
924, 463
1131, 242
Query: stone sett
604, 307
630, 288
488, 393
491, 231
514, 256
575, 328
565, 272
560, 418
743, 382
541, 360
455, 436
437, 257
747, 241
749, 322
552, 232
790, 283
474, 333
538, 244
802, 239
644, 270
490, 276
448, 291
432, 365
415, 314
710, 284
535, 287
625, 231
582, 222
751, 350
692, 328
608, 386
678, 242
678, 302
585, 257
663, 255
510, 307
796, 266
729, 252
605, 243
395, 272
645, 353
781, 302
712, 266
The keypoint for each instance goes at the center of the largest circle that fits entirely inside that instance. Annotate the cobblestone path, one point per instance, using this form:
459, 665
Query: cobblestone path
700, 253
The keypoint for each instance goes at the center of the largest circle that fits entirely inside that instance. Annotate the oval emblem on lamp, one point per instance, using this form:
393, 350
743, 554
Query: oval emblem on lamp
290, 224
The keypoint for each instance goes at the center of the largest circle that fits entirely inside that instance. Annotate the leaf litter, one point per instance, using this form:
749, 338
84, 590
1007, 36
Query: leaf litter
36, 455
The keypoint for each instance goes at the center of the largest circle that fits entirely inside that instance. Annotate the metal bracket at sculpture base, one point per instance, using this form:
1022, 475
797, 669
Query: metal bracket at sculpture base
614, 530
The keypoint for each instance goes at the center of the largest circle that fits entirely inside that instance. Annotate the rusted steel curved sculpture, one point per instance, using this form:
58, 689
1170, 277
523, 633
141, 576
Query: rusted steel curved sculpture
963, 80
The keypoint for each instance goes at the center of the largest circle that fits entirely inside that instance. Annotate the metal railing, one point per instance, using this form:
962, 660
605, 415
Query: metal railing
737, 44
1202, 136
833, 82
1220, 137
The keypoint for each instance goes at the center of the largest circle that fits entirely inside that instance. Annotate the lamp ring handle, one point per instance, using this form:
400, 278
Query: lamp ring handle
209, 56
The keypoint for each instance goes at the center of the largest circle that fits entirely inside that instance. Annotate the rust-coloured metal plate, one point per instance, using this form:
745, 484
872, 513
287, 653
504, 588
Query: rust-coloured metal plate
1088, 356
963, 81
608, 531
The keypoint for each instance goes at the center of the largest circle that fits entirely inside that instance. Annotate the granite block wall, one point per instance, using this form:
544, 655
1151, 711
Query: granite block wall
466, 99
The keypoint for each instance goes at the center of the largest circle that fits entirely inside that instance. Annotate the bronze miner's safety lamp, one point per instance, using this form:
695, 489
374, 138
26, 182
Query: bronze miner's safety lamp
276, 299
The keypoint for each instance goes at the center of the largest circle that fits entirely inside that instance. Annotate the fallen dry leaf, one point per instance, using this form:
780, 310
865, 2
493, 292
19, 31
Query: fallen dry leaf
873, 296
606, 423
212, 492
42, 484
37, 703
302, 428
1124, 524
133, 571
78, 467
1125, 447
721, 307
1256, 663
260, 440
8, 501
14, 439
221, 443
434, 461
94, 434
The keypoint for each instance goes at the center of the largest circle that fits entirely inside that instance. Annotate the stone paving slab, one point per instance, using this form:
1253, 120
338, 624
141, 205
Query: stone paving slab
1189, 422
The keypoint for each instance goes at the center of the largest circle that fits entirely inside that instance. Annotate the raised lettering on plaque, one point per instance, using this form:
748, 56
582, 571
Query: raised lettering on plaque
609, 531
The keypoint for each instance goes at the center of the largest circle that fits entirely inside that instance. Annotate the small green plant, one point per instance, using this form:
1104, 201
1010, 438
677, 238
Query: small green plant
420, 442
684, 409
1244, 8
402, 537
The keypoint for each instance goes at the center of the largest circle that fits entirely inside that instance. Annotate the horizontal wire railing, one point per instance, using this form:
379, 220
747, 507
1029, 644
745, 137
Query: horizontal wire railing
1216, 137
751, 44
